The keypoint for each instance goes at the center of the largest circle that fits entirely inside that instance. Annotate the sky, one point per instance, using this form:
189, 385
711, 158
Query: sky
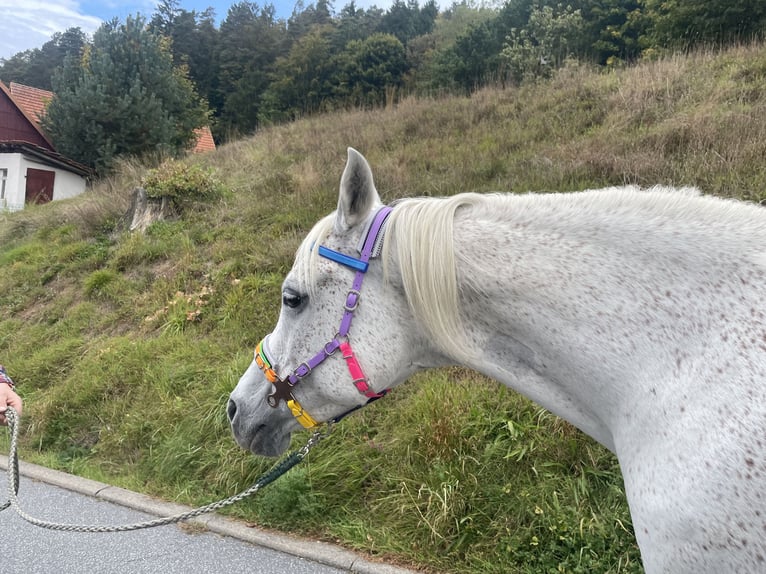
26, 24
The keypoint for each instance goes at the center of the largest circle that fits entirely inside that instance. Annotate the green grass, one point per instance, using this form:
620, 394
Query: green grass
126, 346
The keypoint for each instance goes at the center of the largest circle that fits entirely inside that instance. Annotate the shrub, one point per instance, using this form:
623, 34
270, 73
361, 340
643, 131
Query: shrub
182, 182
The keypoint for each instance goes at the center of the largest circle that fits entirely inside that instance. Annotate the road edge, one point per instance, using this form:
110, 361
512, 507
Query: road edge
321, 552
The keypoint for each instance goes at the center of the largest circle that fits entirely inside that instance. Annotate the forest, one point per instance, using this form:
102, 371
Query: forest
254, 69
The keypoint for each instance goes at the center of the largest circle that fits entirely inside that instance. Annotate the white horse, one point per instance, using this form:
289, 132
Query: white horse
638, 316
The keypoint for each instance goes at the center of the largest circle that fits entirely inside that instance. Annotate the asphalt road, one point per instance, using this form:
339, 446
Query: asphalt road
213, 544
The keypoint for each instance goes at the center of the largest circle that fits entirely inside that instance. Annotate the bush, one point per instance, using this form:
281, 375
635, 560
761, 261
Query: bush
182, 182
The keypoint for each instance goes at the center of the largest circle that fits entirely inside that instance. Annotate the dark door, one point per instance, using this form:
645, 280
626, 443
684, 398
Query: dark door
39, 185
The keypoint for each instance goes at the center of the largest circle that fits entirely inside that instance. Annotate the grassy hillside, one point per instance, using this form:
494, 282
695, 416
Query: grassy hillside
126, 346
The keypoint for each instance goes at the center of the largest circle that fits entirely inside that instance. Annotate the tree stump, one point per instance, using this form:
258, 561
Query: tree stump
145, 210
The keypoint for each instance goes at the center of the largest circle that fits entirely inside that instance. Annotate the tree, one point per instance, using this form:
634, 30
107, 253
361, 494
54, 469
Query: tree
431, 56
368, 68
16, 68
201, 57
194, 40
124, 97
304, 19
355, 24
687, 23
302, 80
549, 38
36, 67
615, 29
164, 19
472, 60
406, 20
251, 39
427, 16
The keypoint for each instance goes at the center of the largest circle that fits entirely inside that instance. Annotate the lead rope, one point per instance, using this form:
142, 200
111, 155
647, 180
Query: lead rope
13, 486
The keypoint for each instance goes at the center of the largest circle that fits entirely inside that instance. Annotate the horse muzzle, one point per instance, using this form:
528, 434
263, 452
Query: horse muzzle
256, 426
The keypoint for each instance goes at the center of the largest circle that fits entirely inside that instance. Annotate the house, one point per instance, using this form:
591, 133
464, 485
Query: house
31, 171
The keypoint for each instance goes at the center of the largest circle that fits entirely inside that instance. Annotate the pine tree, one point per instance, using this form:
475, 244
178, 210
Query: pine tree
122, 98
301, 81
194, 40
36, 67
251, 39
687, 23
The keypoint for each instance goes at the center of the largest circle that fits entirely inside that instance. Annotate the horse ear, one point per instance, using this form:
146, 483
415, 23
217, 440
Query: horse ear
358, 195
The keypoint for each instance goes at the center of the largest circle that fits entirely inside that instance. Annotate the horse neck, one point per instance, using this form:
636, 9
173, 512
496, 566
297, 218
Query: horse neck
527, 310
581, 301
592, 304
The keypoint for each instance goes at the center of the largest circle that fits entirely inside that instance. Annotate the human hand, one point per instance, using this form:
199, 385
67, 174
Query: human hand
8, 397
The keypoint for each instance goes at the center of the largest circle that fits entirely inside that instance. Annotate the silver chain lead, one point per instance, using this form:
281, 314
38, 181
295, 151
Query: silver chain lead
13, 474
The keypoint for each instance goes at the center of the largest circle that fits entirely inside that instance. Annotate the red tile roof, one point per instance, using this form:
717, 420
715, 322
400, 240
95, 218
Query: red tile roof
32, 120
32, 101
204, 140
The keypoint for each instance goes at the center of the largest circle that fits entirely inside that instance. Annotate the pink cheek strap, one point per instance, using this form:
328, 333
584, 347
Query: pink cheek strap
357, 375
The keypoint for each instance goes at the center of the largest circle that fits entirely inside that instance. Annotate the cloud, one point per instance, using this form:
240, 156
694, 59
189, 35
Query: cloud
30, 23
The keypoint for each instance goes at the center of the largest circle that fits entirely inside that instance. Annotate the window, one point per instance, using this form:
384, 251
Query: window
3, 177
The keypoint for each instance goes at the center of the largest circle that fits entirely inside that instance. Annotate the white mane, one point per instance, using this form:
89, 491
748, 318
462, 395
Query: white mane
422, 230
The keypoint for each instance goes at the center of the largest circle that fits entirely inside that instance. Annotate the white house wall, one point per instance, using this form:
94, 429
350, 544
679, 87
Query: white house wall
66, 183
15, 188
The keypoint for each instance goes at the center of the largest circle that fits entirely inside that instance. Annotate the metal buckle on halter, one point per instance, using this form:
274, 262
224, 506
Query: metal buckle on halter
361, 385
333, 345
340, 338
357, 296
306, 367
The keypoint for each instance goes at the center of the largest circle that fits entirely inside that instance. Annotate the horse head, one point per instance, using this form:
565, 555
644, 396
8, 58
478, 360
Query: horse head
316, 366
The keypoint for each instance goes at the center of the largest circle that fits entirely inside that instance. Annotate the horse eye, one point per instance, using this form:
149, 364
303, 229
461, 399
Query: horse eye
292, 300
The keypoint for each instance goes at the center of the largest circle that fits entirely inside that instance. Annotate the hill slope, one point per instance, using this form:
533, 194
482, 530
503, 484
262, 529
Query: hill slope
126, 346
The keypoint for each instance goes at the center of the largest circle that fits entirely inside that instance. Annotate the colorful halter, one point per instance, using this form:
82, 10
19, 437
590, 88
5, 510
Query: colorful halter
370, 247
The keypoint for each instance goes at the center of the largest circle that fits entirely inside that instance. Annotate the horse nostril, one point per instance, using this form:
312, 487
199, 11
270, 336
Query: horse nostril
231, 409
